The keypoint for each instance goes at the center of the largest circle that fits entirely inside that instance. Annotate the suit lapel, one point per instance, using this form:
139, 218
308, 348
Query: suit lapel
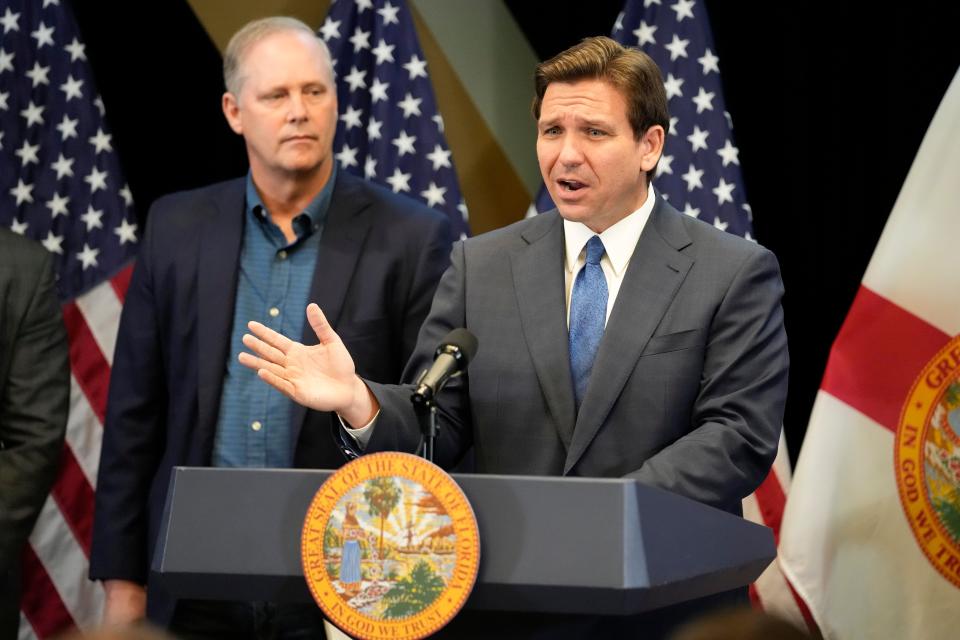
538, 280
344, 231
656, 271
221, 238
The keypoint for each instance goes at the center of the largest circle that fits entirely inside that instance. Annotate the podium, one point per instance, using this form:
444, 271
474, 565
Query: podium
552, 545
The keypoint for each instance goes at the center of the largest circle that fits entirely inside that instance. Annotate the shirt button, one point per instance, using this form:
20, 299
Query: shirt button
282, 255
274, 312
256, 425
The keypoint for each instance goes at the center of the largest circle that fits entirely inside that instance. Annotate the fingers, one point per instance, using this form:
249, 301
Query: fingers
270, 336
270, 373
264, 350
283, 386
325, 333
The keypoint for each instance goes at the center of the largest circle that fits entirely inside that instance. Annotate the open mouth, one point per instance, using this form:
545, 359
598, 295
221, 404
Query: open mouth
571, 185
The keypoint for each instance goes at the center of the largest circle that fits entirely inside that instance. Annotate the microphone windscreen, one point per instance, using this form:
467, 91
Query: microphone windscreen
465, 341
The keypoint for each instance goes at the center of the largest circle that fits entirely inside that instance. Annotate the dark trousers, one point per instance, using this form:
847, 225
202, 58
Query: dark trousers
212, 619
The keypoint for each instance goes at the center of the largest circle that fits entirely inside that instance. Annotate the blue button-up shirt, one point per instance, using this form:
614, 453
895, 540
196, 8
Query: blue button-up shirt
254, 425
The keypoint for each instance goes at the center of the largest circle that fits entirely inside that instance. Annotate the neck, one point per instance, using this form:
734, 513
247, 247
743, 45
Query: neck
286, 196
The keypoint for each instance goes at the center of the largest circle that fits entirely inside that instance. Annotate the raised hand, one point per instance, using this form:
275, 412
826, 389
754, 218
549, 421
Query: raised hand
320, 377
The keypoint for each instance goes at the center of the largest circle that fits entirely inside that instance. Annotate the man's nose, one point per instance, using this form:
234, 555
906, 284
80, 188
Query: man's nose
570, 152
297, 107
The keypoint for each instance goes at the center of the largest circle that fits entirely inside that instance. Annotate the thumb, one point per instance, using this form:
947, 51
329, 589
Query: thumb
325, 333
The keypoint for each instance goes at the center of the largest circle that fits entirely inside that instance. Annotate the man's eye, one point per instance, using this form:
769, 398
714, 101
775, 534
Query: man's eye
596, 133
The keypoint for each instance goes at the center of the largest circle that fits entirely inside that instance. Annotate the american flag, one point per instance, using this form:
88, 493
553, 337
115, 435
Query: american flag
61, 184
699, 174
390, 130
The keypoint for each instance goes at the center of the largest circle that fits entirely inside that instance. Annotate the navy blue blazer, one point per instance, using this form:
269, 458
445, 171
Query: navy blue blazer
381, 256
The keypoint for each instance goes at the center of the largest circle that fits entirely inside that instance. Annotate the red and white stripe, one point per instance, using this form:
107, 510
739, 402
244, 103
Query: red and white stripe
57, 595
846, 545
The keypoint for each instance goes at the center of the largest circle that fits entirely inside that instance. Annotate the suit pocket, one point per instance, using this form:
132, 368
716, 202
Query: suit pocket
674, 342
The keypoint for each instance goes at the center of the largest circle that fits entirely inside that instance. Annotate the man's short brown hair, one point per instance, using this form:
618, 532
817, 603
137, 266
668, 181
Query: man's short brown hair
630, 71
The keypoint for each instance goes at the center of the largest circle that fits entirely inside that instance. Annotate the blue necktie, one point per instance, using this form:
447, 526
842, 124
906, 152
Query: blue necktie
588, 313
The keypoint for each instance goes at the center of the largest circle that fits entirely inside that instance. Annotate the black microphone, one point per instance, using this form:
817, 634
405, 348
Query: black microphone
451, 359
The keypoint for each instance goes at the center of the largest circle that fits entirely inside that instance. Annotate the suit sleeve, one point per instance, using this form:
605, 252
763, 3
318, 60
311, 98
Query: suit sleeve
34, 397
134, 431
397, 428
738, 412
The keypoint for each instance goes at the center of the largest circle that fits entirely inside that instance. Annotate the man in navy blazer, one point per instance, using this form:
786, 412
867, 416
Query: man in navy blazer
683, 383
294, 230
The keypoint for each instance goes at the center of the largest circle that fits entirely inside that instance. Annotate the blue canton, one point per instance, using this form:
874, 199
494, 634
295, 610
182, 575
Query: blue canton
254, 427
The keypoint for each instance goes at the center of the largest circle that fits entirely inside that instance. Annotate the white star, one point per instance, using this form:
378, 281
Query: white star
684, 9
58, 205
360, 40
439, 157
370, 168
644, 33
404, 143
347, 156
378, 90
47, 3
416, 67
729, 153
439, 120
709, 62
674, 121
724, 192
72, 88
704, 100
1, 139
330, 29
18, 227
43, 35
373, 129
356, 79
693, 178
726, 114
27, 153
747, 236
52, 243
647, 3
462, 208
691, 211
3, 100
410, 105
618, 25
92, 218
22, 192
76, 50
96, 179
433, 194
363, 5
677, 48
6, 61
665, 165
88, 257
672, 86
9, 21
63, 166
38, 74
698, 139
98, 103
126, 195
720, 224
68, 127
127, 232
101, 141
352, 118
33, 113
389, 14
383, 51
399, 181
746, 207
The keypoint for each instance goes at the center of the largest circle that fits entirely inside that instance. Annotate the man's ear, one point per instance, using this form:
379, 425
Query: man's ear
231, 111
651, 146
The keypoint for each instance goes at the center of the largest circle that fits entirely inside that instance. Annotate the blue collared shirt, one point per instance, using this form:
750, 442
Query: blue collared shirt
254, 426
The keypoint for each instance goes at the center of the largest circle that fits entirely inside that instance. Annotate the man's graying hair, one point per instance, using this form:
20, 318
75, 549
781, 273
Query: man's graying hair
251, 34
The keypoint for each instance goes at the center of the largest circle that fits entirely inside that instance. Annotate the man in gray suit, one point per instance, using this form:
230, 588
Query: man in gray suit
618, 337
34, 395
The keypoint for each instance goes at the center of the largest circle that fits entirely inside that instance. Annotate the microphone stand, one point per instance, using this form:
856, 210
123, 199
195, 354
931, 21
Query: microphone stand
425, 406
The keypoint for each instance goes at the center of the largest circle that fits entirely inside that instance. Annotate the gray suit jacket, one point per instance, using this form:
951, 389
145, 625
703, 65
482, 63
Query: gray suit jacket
688, 388
34, 394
